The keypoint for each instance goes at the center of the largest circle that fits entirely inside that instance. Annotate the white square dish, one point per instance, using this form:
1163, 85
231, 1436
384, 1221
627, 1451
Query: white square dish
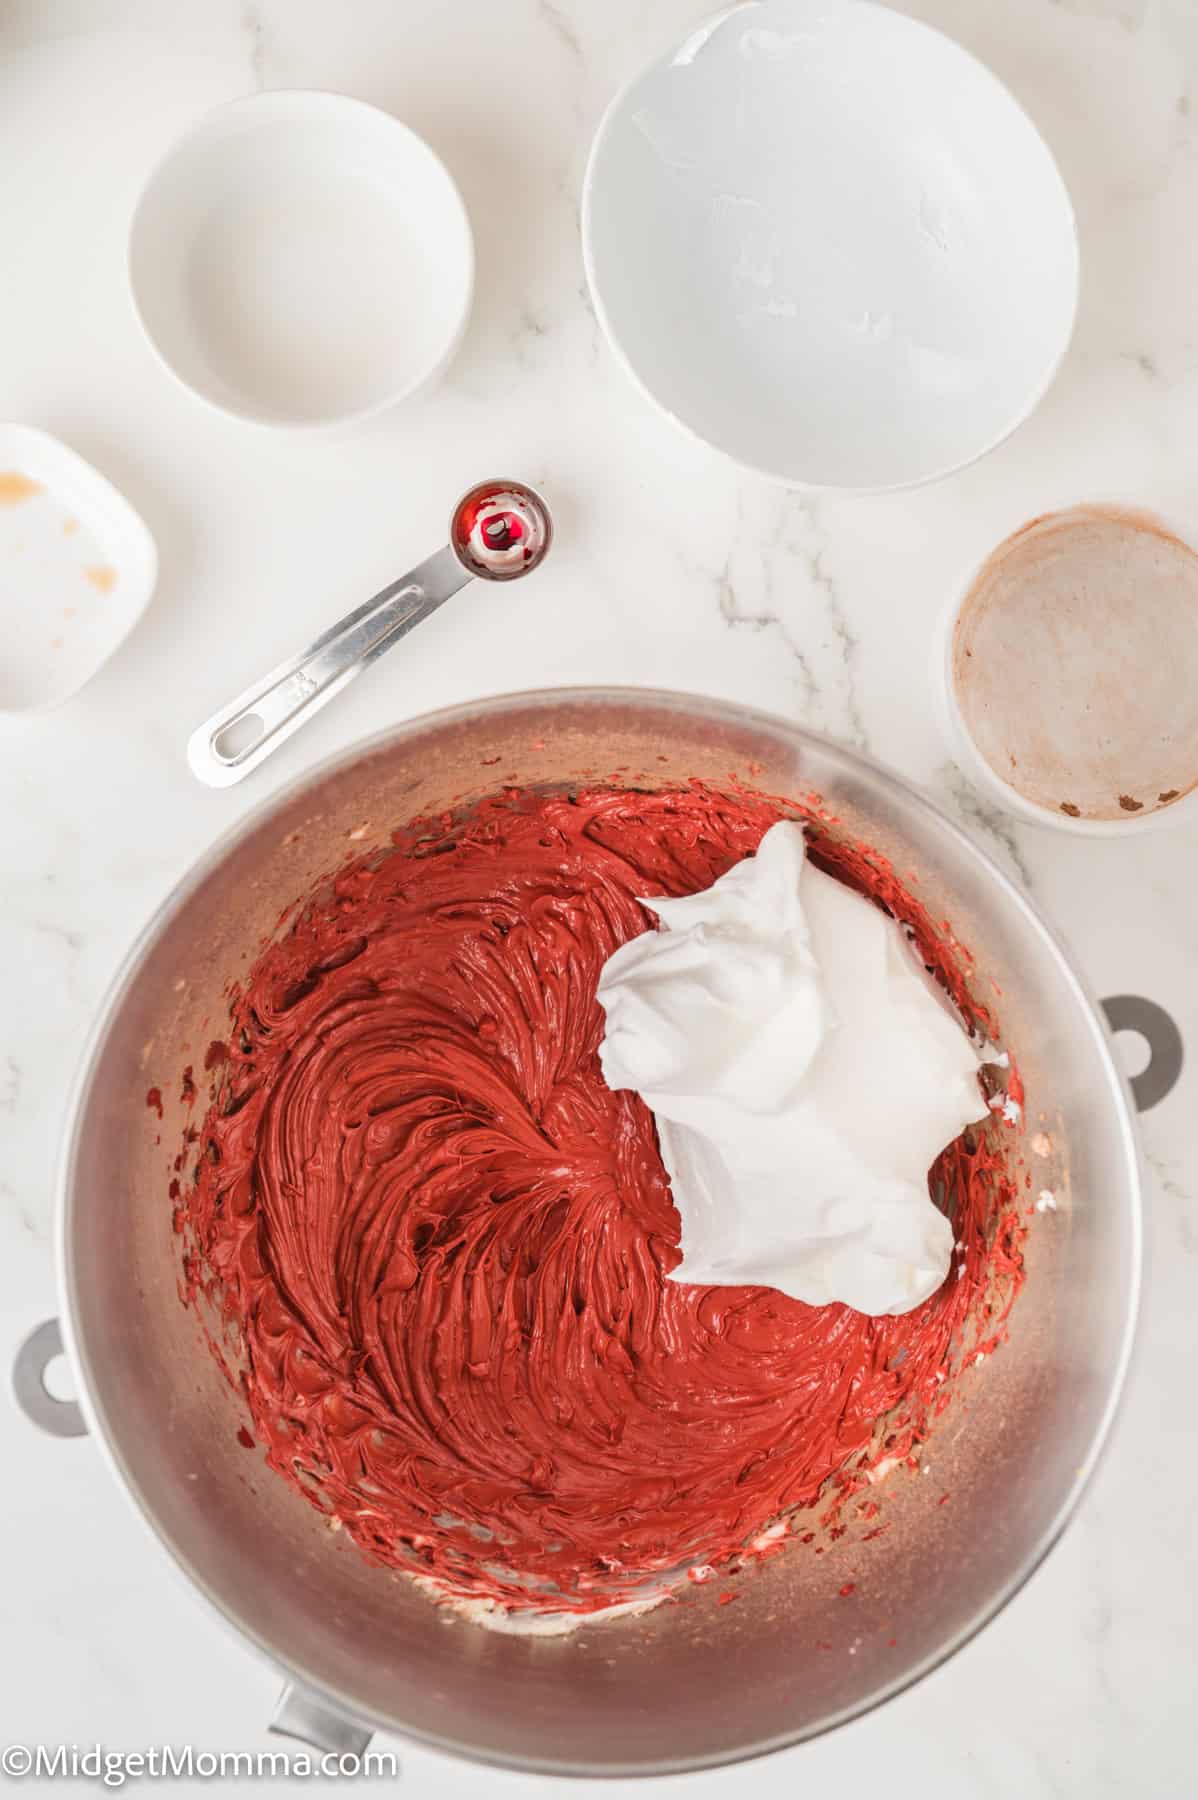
77, 570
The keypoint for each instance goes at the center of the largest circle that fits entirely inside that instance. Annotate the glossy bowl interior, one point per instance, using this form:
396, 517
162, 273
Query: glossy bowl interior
302, 259
683, 1686
829, 243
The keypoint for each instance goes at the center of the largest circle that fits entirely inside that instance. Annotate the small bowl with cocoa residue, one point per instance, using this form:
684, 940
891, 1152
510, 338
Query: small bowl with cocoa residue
1065, 672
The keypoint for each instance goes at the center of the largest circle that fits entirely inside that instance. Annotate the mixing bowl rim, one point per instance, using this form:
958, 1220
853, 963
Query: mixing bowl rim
207, 864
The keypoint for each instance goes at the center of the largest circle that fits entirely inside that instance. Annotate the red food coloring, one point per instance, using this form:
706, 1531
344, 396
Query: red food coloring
1015, 1088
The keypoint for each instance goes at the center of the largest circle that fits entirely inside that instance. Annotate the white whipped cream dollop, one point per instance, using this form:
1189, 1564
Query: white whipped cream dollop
805, 1072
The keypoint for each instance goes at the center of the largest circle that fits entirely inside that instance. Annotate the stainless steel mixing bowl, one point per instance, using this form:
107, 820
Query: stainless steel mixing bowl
681, 1687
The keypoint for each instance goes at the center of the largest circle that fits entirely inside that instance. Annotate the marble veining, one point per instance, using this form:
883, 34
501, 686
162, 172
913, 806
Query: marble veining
254, 26
776, 578
1179, 1211
560, 23
989, 822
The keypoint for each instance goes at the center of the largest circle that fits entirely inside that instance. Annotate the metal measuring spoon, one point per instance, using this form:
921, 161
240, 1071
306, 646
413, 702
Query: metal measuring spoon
499, 531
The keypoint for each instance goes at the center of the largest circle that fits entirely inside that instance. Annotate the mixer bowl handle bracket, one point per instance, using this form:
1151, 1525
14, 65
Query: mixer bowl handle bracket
1131, 1012
61, 1418
313, 1720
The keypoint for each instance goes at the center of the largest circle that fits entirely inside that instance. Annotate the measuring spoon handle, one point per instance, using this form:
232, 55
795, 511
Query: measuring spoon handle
230, 744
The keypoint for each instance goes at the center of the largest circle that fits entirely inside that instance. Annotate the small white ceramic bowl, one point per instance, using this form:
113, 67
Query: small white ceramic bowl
829, 243
302, 259
965, 751
77, 570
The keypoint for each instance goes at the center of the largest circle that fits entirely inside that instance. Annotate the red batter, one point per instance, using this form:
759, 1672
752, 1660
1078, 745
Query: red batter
443, 1240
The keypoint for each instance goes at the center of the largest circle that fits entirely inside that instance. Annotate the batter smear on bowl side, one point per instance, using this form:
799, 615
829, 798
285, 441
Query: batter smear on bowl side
437, 1243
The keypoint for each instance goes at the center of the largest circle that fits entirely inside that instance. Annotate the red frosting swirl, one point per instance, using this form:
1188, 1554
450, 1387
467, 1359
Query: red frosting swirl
443, 1240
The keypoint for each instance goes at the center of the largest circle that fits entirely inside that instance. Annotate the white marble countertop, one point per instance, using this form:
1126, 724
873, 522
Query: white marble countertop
670, 569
